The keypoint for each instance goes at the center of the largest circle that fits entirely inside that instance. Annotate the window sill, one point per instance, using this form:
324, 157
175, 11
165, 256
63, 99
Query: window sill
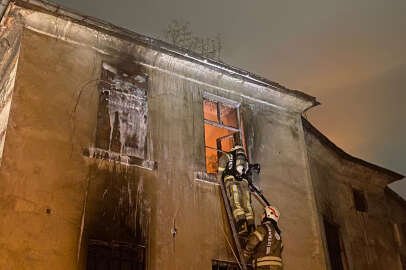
93, 152
207, 178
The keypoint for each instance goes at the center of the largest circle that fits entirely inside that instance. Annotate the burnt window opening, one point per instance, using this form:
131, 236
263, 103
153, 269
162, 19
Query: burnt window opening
122, 116
360, 201
222, 129
224, 265
333, 245
104, 255
117, 219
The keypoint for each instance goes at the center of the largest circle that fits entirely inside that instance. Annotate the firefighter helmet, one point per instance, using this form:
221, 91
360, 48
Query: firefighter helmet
271, 212
237, 147
240, 159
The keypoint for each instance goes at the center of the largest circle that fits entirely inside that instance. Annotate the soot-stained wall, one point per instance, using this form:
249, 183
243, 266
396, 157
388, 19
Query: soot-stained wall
56, 196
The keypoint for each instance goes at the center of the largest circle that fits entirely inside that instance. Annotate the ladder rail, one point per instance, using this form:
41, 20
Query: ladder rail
231, 222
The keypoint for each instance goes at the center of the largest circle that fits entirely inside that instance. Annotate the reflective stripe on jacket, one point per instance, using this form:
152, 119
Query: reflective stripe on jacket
265, 246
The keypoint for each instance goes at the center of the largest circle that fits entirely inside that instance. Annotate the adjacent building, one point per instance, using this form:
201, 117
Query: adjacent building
109, 142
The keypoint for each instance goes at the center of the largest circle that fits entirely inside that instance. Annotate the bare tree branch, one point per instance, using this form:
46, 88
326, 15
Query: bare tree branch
178, 32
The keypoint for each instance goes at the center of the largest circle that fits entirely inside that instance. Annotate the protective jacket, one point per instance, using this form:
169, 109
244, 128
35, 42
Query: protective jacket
264, 247
238, 193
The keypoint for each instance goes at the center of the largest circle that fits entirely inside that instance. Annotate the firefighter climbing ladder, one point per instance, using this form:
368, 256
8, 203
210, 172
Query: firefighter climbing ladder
236, 239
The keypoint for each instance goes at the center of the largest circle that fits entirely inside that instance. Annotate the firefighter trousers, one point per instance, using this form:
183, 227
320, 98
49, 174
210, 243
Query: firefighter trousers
240, 200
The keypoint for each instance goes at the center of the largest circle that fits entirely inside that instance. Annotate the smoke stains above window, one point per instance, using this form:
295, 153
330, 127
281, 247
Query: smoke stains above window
360, 201
122, 115
222, 129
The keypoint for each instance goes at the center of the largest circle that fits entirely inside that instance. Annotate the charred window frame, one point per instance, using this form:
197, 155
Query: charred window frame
224, 265
122, 115
222, 128
360, 201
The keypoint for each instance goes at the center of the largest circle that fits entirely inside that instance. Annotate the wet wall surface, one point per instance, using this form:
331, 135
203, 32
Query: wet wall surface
55, 198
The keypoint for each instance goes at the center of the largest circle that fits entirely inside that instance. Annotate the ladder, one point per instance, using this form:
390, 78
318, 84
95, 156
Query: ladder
237, 243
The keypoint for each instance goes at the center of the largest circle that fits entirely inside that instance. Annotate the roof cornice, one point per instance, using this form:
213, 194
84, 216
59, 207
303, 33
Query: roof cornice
161, 46
394, 176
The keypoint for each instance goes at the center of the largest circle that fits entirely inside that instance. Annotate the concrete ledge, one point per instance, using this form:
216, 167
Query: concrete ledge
93, 152
205, 178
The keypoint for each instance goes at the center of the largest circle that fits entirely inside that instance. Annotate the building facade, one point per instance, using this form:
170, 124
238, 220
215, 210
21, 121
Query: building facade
110, 139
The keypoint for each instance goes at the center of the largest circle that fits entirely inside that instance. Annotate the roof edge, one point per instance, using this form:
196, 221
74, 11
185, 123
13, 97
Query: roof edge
326, 141
395, 196
159, 45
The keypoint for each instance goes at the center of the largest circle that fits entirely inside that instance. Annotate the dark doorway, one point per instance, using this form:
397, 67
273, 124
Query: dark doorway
403, 260
117, 219
115, 256
333, 245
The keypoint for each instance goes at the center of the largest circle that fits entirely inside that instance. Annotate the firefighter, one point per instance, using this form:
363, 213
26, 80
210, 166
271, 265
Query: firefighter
232, 170
264, 245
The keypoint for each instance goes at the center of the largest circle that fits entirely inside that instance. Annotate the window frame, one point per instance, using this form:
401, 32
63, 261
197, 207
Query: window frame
227, 102
359, 197
95, 151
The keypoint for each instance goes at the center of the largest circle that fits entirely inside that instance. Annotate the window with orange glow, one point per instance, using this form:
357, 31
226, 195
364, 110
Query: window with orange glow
221, 130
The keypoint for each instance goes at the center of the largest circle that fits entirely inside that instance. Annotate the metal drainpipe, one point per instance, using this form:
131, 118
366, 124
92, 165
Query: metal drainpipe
3, 7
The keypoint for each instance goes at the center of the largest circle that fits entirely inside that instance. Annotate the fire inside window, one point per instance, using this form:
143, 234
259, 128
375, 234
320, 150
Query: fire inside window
222, 130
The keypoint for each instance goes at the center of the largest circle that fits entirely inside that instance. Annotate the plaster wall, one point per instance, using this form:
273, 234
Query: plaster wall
54, 197
367, 238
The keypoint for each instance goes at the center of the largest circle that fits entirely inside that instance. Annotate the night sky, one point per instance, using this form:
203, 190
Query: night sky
349, 54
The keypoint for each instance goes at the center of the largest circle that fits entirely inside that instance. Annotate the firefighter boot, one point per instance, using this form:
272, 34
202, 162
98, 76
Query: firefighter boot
242, 228
250, 225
